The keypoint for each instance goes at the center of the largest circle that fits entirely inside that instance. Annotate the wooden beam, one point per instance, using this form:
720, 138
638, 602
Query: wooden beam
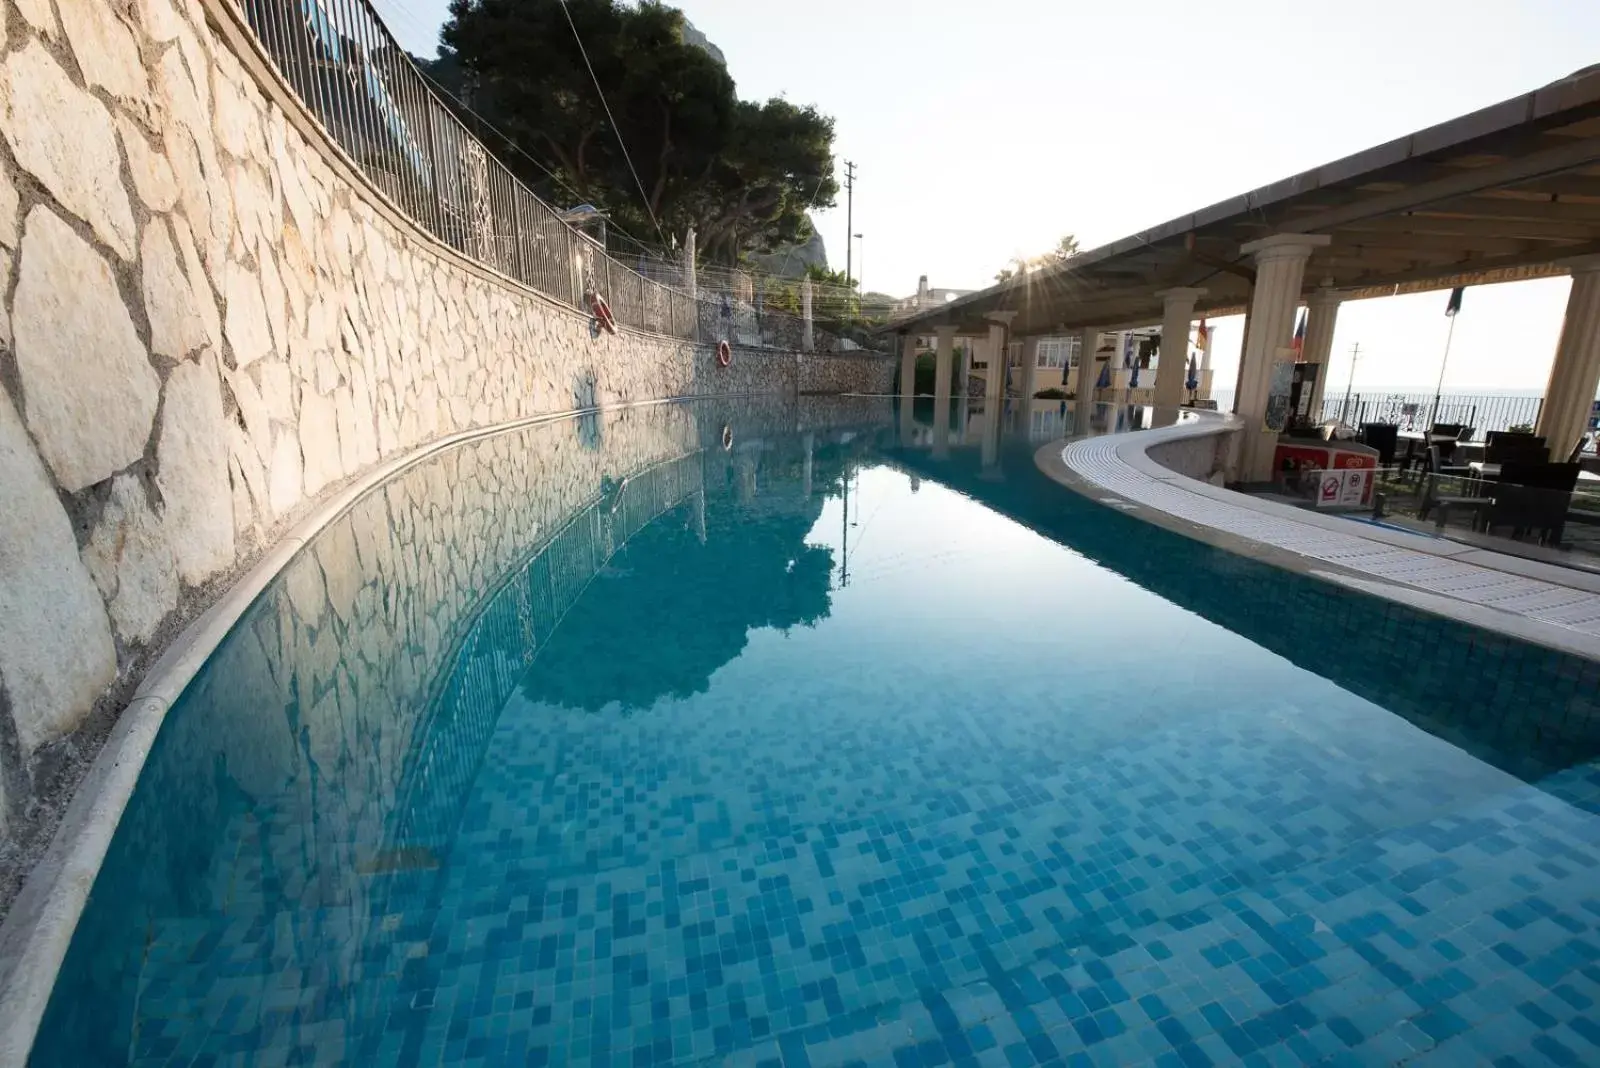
1550, 161
1450, 281
1444, 244
1496, 207
1487, 264
1513, 229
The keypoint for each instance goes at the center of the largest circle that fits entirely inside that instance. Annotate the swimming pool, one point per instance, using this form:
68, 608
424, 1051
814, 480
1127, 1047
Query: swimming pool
794, 732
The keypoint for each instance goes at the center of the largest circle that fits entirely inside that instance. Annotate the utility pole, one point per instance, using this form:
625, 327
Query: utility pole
1355, 354
849, 220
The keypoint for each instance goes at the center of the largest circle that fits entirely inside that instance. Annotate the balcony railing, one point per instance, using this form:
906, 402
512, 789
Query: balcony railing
1416, 411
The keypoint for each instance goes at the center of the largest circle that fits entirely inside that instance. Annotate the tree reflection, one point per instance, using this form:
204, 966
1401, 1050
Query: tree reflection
673, 607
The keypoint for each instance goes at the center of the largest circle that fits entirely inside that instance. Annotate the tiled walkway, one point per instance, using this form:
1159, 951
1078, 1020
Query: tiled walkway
1103, 462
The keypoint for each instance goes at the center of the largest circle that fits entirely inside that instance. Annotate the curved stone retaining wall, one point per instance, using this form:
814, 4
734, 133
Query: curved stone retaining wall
206, 325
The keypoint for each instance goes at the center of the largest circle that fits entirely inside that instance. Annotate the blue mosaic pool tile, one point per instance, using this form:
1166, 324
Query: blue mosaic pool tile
1279, 873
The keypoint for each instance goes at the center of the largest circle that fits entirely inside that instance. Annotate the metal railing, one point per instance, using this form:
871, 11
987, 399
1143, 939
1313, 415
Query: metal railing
1415, 411
351, 74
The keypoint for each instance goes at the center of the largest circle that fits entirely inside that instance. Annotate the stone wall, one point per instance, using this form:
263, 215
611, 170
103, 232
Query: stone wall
865, 373
206, 326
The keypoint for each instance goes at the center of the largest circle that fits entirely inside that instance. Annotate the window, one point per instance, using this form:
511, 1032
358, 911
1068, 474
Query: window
1057, 352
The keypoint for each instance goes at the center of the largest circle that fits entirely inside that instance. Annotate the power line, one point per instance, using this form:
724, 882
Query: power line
643, 198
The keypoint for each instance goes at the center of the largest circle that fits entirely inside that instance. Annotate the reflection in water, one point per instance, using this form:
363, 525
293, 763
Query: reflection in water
340, 721
631, 742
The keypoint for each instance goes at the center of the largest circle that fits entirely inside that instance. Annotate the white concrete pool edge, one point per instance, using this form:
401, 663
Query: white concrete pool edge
1523, 599
38, 929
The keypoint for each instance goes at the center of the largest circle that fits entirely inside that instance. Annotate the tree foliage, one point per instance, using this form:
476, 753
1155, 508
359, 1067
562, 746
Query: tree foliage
1064, 250
741, 173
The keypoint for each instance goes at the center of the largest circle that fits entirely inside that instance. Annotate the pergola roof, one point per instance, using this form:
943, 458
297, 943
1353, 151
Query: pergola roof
1498, 195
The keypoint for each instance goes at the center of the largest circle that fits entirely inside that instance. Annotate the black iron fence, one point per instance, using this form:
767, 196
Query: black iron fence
1417, 411
348, 70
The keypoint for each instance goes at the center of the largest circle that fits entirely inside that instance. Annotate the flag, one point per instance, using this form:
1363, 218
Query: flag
1299, 334
1201, 335
1455, 302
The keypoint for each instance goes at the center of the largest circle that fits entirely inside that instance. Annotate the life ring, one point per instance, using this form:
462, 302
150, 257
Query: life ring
724, 354
727, 438
602, 313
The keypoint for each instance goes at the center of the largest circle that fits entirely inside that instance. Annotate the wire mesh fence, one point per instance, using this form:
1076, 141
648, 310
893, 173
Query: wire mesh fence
352, 75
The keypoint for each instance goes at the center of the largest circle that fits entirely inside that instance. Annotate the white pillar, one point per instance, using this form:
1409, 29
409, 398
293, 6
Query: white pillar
1088, 374
1178, 313
1280, 270
1028, 373
1575, 373
994, 385
1205, 362
908, 366
965, 380
943, 356
1322, 312
807, 333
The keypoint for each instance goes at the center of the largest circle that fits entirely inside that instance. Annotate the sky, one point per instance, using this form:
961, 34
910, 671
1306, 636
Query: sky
985, 131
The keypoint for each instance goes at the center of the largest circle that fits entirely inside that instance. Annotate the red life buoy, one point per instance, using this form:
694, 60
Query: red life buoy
602, 313
724, 354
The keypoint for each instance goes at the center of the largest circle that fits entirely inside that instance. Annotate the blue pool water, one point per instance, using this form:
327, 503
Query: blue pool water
857, 742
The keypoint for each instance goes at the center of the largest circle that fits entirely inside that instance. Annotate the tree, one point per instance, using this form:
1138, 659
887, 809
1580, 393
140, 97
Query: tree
1065, 249
833, 297
741, 173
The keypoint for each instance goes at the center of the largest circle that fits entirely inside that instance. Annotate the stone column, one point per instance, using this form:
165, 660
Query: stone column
994, 384
1575, 373
1088, 374
1280, 270
807, 333
1322, 312
1178, 313
908, 367
943, 356
1028, 373
967, 350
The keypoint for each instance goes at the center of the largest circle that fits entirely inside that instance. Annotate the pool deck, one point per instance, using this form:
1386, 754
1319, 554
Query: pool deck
1537, 602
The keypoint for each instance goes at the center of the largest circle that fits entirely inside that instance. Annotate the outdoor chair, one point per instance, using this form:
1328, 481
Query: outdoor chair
1443, 504
1385, 437
1516, 451
1517, 437
1533, 498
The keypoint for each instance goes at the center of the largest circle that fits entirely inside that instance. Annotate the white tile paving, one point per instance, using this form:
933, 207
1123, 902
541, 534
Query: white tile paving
1101, 462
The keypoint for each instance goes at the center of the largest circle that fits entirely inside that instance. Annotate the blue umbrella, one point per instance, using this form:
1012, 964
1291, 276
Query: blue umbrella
1194, 375
1104, 381
1133, 379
